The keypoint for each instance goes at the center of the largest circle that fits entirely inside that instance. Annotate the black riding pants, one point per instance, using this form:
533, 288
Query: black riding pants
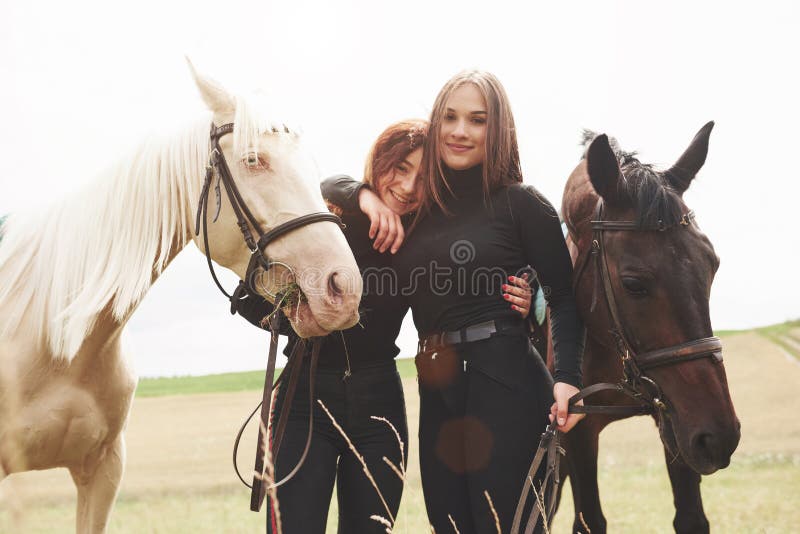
483, 408
304, 501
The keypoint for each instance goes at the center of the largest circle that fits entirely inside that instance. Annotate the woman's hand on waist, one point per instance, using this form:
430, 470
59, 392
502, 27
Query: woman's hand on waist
518, 293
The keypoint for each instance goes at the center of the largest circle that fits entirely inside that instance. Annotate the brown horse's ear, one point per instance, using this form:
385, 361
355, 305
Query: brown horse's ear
604, 171
681, 174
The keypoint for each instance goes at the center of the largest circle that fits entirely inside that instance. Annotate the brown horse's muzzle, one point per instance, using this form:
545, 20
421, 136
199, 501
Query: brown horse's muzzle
712, 450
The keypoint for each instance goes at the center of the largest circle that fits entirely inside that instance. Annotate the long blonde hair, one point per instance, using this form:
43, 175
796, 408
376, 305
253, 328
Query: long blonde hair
501, 158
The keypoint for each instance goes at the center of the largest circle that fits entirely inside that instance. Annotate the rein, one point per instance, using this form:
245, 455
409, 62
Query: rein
635, 383
259, 260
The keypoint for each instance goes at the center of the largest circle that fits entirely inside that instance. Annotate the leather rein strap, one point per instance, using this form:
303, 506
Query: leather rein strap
270, 436
543, 504
269, 439
635, 384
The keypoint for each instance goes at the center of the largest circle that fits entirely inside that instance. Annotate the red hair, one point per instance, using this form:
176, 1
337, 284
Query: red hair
392, 147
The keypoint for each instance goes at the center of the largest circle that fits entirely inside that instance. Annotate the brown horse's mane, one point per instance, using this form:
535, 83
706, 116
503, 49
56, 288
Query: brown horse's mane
648, 190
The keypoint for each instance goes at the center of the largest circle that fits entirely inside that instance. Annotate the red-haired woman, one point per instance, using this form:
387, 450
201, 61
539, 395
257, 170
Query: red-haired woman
485, 395
357, 377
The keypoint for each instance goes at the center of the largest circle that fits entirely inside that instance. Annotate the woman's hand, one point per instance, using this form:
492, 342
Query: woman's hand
562, 392
518, 293
386, 228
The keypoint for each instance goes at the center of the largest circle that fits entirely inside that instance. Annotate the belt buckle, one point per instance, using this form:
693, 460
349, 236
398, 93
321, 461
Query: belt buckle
429, 342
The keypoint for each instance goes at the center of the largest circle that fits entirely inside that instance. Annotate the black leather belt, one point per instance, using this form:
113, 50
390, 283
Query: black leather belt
475, 332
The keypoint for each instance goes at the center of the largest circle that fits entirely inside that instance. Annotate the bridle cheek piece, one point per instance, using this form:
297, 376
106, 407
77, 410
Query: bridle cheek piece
244, 219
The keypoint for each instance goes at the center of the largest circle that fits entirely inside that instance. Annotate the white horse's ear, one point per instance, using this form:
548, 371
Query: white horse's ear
214, 95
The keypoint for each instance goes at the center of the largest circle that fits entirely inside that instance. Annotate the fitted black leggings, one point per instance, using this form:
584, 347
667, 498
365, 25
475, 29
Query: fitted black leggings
303, 502
483, 408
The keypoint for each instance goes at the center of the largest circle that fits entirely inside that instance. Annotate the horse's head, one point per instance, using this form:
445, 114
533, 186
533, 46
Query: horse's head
660, 273
314, 270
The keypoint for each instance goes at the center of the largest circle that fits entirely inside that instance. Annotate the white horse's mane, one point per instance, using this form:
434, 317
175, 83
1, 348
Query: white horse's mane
103, 245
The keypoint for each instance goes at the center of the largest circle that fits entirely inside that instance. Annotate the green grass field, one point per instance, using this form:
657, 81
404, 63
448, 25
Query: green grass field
226, 382
251, 380
787, 335
179, 478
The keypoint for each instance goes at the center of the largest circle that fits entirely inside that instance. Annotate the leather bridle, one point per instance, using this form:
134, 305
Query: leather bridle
244, 219
635, 383
259, 260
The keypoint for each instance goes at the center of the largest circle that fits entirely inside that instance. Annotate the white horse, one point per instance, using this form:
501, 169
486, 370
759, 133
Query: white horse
72, 274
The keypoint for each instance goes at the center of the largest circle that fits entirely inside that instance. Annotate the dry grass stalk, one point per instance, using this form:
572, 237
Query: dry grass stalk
540, 504
268, 476
453, 522
583, 522
360, 459
394, 468
290, 295
383, 521
399, 444
494, 512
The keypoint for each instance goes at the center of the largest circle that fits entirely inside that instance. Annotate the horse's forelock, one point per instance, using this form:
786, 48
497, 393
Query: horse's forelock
654, 200
648, 190
252, 120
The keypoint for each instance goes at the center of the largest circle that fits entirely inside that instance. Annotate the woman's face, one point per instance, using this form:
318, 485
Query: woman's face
399, 189
462, 136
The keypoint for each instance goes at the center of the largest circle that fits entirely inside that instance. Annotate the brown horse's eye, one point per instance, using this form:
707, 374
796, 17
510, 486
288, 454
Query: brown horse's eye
634, 286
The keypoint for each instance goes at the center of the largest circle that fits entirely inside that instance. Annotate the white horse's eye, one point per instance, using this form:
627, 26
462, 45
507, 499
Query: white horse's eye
251, 159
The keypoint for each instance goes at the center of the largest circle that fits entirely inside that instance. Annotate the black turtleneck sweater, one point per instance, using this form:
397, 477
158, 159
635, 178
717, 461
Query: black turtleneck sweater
451, 267
382, 310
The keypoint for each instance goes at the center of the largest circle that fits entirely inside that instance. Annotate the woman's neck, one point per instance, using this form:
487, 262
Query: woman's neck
465, 182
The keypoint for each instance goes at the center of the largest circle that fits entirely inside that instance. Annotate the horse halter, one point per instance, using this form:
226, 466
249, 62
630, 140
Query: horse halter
244, 219
636, 383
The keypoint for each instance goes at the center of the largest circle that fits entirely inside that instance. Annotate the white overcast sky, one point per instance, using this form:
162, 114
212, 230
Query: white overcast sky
82, 80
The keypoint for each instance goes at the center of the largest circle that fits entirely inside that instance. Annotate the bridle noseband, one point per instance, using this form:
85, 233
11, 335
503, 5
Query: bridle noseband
244, 219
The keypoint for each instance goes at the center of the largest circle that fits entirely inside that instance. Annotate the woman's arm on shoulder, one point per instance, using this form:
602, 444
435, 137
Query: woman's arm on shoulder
352, 196
342, 191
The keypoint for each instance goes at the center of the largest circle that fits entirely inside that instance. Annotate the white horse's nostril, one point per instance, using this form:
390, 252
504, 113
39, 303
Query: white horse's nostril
334, 288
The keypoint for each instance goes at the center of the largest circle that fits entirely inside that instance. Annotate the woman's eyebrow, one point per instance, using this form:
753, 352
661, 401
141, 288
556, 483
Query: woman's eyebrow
477, 112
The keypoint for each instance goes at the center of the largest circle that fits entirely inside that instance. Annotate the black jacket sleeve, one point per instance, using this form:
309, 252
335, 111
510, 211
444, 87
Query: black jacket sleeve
342, 190
255, 308
546, 251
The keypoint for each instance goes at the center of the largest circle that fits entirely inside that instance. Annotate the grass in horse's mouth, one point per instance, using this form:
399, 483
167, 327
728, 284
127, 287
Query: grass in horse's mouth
289, 296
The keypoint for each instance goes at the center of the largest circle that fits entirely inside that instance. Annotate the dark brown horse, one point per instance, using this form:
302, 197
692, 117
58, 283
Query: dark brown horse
659, 271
